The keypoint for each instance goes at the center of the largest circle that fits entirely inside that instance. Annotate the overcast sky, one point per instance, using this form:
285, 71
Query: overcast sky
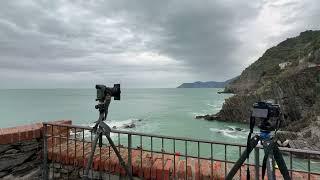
141, 43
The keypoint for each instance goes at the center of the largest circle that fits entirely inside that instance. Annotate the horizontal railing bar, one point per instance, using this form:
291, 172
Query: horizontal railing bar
292, 150
285, 149
68, 125
66, 138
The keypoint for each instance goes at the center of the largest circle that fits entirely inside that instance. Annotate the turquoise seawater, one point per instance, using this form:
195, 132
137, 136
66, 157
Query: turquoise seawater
157, 111
161, 111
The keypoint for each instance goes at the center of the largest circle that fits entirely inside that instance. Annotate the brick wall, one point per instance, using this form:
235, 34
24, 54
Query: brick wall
26, 132
20, 133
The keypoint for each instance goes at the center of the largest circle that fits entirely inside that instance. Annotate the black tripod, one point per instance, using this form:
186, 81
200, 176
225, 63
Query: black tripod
100, 129
271, 150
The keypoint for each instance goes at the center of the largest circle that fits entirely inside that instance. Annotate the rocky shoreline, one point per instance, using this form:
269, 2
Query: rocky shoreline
291, 79
208, 117
284, 138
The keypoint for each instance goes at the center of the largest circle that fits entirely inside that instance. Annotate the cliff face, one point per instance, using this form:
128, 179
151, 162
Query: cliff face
287, 73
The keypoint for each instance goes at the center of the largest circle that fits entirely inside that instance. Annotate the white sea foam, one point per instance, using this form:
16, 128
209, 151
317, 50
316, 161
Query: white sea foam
215, 107
230, 132
118, 124
234, 128
315, 162
198, 114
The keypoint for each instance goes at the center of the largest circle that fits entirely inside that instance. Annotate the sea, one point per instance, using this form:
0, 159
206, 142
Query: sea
161, 111
157, 111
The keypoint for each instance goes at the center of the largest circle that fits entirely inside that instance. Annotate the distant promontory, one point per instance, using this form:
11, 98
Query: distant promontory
207, 84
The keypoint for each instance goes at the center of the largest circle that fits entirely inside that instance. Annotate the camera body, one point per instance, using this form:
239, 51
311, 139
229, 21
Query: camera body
264, 109
266, 112
103, 91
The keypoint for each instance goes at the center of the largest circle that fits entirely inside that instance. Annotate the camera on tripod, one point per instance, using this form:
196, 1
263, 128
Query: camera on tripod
266, 111
102, 129
103, 91
269, 115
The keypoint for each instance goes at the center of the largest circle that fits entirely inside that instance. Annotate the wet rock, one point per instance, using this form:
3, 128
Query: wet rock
298, 144
34, 174
56, 175
283, 144
20, 160
132, 125
8, 161
238, 129
56, 165
286, 143
5, 147
114, 127
3, 173
207, 117
26, 143
12, 151
230, 129
307, 134
67, 169
24, 169
29, 147
284, 135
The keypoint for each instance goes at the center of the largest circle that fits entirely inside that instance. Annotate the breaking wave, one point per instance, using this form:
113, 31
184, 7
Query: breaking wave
230, 132
119, 125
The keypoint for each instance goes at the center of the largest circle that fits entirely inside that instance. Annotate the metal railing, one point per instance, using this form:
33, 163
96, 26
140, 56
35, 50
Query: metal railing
59, 140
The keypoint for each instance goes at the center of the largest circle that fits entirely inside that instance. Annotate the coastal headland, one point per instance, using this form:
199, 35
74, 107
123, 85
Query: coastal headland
288, 73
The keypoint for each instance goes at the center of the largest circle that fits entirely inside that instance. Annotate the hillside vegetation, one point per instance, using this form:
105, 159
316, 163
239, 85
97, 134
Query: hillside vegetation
289, 74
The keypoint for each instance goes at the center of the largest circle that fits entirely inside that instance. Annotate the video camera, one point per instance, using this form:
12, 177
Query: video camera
264, 111
103, 91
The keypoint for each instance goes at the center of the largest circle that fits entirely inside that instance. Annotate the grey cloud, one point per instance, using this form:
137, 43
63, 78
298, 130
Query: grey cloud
199, 34
141, 43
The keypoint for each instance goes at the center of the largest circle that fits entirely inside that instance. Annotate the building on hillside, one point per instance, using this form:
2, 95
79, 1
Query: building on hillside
311, 65
284, 64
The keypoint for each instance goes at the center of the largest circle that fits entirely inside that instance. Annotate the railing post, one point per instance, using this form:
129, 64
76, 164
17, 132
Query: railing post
129, 153
257, 162
45, 153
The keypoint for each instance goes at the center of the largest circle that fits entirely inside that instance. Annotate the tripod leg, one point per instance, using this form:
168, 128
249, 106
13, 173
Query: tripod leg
253, 143
86, 172
123, 164
281, 163
268, 161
